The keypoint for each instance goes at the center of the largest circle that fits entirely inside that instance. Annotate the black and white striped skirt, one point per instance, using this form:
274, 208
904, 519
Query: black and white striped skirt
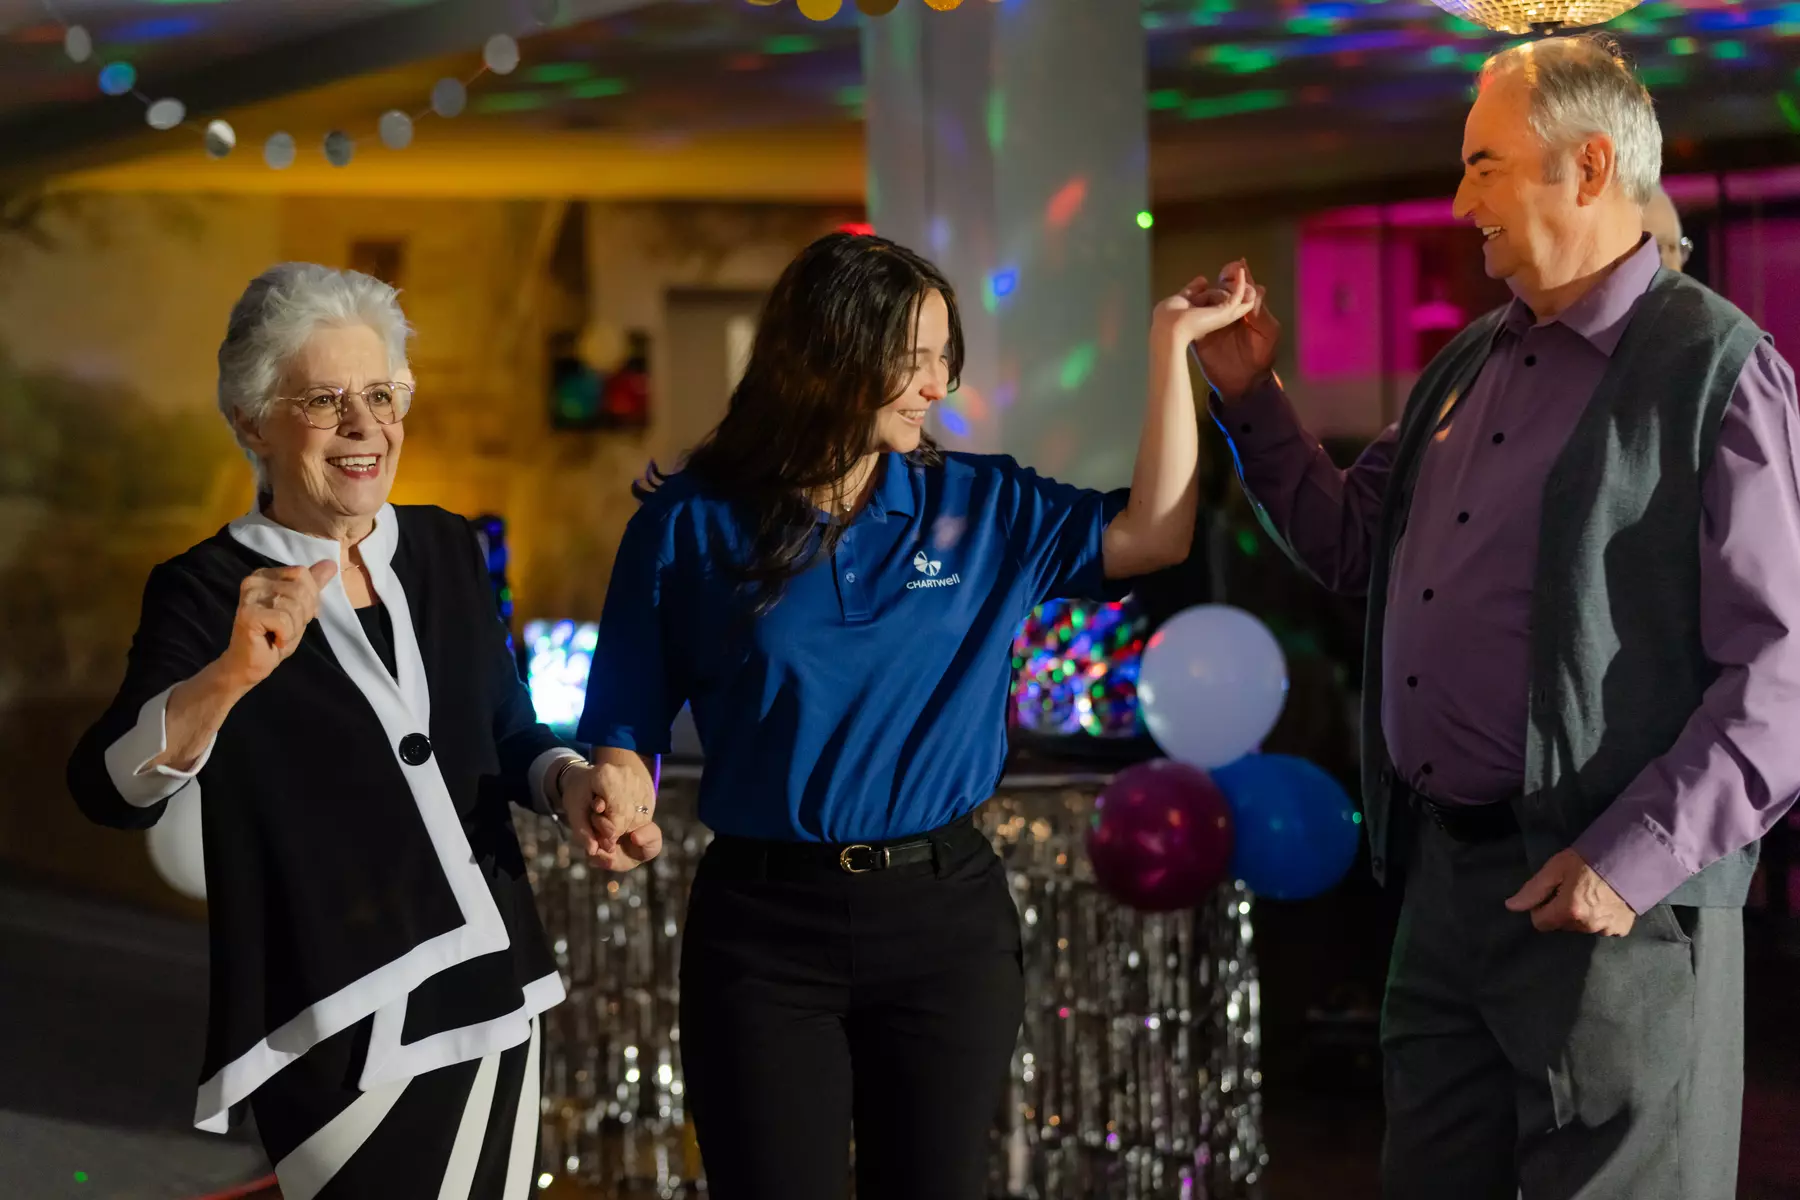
468, 1131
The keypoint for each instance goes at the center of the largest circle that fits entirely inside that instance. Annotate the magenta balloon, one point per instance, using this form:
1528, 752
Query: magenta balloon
1160, 839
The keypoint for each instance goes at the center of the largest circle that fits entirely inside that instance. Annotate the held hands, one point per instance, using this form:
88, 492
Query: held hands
611, 809
1241, 354
275, 605
1570, 895
1199, 310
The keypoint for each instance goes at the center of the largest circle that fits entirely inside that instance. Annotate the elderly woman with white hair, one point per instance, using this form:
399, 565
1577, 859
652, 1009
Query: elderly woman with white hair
330, 672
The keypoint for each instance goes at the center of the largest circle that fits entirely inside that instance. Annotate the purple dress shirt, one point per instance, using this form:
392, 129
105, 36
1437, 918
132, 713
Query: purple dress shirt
1456, 659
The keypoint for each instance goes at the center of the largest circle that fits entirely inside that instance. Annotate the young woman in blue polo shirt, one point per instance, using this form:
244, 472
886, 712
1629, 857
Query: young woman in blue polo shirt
836, 598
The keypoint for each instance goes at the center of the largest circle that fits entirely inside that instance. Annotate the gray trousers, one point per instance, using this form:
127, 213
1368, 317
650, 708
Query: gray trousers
1556, 1066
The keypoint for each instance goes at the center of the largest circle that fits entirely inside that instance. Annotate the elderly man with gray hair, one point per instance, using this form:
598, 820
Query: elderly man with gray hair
329, 676
1581, 548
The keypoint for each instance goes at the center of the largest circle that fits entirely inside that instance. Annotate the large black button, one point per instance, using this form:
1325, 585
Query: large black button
1498, 438
415, 748
1531, 360
1429, 593
1412, 681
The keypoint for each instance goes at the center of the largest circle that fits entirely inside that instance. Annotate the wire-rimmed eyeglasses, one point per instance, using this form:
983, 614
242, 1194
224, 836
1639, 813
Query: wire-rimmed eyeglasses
326, 407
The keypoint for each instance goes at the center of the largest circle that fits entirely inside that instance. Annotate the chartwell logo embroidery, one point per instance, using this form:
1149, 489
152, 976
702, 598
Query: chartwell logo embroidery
930, 567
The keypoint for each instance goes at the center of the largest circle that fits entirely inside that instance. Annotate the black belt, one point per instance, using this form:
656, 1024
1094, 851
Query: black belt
1466, 822
940, 847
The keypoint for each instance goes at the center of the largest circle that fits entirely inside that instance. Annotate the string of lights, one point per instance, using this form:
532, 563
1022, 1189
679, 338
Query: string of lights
395, 128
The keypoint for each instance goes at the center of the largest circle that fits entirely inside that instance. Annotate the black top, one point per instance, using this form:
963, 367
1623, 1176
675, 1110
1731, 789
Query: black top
359, 851
378, 627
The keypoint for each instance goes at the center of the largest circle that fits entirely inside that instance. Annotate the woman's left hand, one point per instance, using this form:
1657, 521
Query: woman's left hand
608, 804
1199, 310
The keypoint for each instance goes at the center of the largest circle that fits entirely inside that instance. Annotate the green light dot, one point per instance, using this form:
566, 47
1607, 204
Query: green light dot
1145, 220
1078, 366
81, 1177
792, 43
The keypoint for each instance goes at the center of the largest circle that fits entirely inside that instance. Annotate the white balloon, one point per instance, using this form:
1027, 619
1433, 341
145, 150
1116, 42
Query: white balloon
1211, 685
175, 848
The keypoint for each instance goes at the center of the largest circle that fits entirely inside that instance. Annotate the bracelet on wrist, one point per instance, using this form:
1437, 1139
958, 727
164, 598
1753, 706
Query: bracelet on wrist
556, 782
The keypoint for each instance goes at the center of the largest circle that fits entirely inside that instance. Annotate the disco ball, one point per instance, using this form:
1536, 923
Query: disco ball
1536, 16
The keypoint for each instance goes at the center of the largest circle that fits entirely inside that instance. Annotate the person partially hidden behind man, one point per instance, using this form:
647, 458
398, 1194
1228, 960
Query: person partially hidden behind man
1663, 224
1581, 545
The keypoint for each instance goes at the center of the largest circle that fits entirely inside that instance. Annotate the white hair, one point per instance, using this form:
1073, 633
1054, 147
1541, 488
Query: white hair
271, 323
1581, 86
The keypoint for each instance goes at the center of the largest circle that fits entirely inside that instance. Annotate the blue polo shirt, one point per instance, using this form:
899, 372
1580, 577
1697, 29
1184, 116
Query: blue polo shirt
870, 702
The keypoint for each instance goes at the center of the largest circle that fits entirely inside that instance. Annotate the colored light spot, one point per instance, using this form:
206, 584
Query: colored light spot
1356, 818
1241, 60
1683, 46
1078, 366
1246, 543
1164, 99
996, 118
1003, 283
154, 29
561, 72
857, 229
1311, 26
852, 96
1208, 107
117, 78
1790, 111
790, 43
1066, 204
1728, 50
81, 1177
505, 102
1662, 76
597, 89
953, 422
1145, 220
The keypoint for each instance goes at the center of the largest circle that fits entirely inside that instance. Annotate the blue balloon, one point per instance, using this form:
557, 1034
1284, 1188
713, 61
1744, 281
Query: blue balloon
1297, 830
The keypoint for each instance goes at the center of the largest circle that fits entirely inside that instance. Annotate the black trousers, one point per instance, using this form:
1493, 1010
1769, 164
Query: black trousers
815, 1002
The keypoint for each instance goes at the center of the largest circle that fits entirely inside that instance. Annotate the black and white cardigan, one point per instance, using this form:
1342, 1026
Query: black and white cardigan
359, 851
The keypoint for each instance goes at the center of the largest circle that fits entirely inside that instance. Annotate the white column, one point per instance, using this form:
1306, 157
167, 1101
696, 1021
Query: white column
1007, 141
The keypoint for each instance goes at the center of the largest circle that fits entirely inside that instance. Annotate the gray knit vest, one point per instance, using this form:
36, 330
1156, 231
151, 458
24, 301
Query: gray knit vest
1616, 664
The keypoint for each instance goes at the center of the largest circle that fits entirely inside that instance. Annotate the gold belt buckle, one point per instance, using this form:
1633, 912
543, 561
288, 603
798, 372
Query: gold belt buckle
852, 868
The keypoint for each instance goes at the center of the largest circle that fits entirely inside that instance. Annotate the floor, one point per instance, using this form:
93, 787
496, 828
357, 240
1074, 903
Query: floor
101, 1011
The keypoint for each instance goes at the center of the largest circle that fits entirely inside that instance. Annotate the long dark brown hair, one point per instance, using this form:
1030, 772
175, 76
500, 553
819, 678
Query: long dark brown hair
834, 345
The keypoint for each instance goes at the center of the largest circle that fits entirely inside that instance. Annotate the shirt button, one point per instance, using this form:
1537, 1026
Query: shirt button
1462, 518
1246, 428
1498, 438
1412, 681
1531, 360
415, 748
1424, 768
849, 576
1429, 593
